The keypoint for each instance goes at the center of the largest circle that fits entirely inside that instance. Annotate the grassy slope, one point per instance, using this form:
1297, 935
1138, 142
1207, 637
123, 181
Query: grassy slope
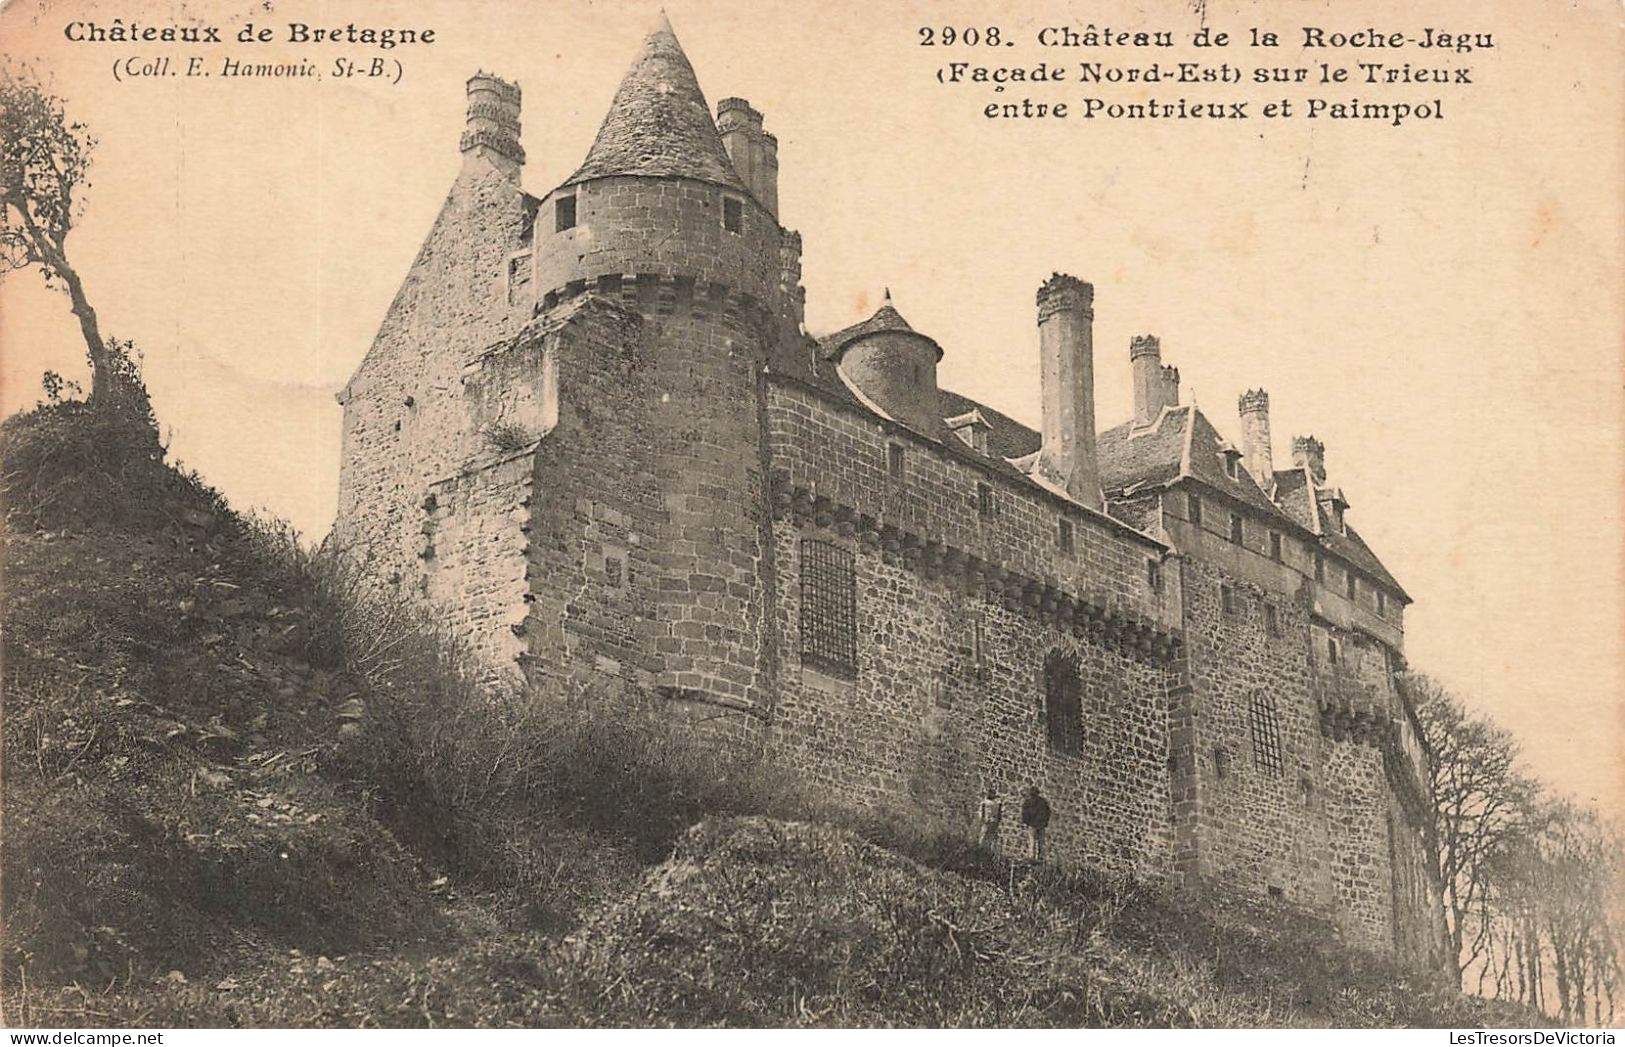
194, 833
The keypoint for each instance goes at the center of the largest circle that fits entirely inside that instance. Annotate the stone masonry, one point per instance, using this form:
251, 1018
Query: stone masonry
593, 435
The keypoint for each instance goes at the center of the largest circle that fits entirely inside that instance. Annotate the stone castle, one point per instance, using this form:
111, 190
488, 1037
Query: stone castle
594, 435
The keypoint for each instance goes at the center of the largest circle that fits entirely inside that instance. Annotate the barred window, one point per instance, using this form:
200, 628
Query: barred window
829, 608
564, 213
1275, 545
1266, 735
1238, 530
894, 461
1227, 599
1351, 584
1320, 568
1063, 703
1063, 537
1193, 508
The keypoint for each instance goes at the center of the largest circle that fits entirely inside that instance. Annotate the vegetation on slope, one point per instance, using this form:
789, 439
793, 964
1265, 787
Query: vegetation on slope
239, 793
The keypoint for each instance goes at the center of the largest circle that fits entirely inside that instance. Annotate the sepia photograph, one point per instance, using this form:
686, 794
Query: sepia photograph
581, 514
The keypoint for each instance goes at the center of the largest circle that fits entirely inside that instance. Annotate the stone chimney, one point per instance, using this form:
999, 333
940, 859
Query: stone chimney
492, 130
1066, 348
1309, 453
793, 296
1254, 408
1155, 386
754, 152
767, 172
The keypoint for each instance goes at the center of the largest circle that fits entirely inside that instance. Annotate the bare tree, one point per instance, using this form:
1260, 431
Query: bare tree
1557, 882
44, 161
1481, 798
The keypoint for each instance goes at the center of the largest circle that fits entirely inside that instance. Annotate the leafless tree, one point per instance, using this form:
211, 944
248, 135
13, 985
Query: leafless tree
1557, 883
1481, 798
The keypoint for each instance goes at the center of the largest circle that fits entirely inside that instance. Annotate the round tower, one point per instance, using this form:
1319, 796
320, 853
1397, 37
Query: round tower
893, 365
660, 220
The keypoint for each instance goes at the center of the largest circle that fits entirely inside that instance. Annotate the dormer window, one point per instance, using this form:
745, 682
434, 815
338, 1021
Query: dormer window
733, 214
564, 213
971, 428
1230, 470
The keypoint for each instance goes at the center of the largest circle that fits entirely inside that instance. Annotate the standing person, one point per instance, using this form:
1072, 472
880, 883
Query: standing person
1035, 816
990, 813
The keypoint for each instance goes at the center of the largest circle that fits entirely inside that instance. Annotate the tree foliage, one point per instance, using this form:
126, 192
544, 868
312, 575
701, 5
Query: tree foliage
44, 163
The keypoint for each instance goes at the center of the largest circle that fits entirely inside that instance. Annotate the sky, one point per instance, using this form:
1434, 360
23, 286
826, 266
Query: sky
1438, 302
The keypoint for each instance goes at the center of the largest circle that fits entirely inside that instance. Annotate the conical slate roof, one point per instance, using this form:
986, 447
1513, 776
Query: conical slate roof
886, 318
659, 123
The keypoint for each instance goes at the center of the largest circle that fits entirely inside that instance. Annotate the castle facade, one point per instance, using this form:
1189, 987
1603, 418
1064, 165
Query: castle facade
593, 434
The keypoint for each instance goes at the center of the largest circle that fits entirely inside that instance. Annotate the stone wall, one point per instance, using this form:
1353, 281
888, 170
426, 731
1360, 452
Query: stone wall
948, 695
947, 701
842, 454
662, 227
1259, 828
404, 418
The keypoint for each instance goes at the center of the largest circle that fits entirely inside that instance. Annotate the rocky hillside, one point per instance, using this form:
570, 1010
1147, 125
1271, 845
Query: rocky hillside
216, 813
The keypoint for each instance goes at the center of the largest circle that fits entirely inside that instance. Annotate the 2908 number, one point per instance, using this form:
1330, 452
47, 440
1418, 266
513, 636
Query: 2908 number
947, 36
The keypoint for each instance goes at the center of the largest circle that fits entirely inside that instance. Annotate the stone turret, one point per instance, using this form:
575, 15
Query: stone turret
1067, 359
658, 197
492, 130
895, 366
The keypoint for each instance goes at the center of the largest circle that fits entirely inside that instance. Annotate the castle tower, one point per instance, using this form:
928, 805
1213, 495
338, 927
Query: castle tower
661, 222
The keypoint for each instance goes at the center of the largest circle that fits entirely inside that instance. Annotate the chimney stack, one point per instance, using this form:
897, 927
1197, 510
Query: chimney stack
1254, 408
1066, 349
1155, 386
754, 152
1309, 453
492, 130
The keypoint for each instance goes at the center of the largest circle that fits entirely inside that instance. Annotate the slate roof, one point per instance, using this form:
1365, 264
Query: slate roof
1152, 456
659, 123
1162, 454
1352, 547
886, 318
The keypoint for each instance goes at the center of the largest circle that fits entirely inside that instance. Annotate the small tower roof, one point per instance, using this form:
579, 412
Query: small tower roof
659, 123
885, 319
